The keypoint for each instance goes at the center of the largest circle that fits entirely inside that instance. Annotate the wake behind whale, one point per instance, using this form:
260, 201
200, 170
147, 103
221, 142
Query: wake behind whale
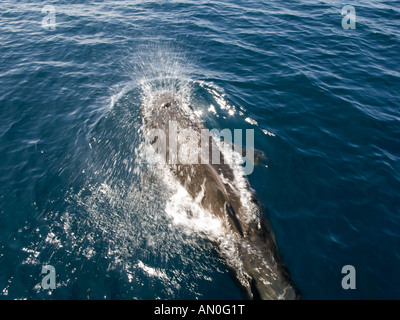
217, 187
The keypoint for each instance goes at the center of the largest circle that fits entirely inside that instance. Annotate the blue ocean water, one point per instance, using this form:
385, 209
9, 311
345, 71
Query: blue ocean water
323, 102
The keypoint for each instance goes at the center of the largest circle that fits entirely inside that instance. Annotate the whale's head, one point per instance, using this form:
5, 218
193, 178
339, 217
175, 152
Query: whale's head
162, 107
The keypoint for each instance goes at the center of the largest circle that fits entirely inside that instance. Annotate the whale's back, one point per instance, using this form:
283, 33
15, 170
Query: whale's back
213, 185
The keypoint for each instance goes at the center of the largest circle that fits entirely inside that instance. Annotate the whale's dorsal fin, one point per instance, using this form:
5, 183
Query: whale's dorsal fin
234, 218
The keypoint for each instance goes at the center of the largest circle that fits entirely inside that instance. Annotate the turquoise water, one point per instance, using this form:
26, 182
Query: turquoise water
74, 192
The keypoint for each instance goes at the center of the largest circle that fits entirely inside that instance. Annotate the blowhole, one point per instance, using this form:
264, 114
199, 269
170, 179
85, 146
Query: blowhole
166, 105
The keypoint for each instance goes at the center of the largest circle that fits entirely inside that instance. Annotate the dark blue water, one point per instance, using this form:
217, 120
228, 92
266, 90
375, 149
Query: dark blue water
323, 101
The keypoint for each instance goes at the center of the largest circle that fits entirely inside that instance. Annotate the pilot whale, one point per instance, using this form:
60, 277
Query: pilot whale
262, 273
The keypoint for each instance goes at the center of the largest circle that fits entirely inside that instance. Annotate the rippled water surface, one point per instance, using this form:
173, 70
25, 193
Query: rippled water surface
76, 193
